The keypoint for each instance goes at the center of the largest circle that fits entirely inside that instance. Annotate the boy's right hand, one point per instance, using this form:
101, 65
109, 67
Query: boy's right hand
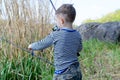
31, 50
29, 47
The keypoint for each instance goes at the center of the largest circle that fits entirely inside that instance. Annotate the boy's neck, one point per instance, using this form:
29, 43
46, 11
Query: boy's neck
68, 25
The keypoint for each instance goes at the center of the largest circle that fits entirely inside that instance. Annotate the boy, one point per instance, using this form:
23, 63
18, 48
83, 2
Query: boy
67, 43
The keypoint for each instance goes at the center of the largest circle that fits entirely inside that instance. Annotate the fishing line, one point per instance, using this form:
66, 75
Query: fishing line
23, 49
3, 39
0, 44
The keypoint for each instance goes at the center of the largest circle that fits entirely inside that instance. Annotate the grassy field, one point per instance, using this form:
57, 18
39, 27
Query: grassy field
99, 61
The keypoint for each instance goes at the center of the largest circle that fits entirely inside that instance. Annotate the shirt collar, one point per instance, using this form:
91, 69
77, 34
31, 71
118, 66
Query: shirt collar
68, 29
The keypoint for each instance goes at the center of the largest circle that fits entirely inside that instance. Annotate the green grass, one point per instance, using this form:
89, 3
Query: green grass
110, 17
24, 68
99, 61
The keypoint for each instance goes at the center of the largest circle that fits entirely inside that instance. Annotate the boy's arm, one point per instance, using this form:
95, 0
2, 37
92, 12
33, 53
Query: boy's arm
42, 44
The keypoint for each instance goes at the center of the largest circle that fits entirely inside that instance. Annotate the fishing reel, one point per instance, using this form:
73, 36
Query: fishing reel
55, 28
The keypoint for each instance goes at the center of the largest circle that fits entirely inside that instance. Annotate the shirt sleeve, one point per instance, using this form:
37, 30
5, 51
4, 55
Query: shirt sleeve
42, 44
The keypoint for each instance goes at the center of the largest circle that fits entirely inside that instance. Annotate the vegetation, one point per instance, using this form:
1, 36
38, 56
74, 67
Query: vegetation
21, 25
114, 16
99, 61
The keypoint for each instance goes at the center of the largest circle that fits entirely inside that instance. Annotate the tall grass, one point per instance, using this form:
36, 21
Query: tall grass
24, 23
24, 68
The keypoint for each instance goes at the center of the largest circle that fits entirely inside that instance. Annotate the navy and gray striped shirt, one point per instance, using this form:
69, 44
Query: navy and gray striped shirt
67, 43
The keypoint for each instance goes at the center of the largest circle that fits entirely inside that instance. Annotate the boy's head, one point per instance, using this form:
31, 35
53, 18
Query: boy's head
66, 13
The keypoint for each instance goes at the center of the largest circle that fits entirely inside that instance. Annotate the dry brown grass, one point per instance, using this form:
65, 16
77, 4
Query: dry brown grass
24, 22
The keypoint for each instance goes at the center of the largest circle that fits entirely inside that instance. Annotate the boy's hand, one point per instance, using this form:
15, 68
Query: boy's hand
29, 47
31, 50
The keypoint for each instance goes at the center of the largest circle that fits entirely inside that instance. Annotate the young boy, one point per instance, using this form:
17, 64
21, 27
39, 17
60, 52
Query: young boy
67, 43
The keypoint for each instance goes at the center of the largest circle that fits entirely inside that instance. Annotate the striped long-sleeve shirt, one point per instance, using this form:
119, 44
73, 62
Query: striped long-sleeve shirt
67, 43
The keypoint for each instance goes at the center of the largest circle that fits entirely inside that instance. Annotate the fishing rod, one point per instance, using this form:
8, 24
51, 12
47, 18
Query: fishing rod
26, 50
53, 5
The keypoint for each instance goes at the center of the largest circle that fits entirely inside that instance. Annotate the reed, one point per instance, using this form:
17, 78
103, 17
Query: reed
24, 22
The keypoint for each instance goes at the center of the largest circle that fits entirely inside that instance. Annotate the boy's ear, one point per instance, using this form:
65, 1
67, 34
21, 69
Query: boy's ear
62, 21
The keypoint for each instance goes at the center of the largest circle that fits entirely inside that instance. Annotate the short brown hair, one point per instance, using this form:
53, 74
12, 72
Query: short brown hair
68, 10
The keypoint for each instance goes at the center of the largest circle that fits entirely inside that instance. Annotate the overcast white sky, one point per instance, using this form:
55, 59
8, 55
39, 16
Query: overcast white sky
90, 8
